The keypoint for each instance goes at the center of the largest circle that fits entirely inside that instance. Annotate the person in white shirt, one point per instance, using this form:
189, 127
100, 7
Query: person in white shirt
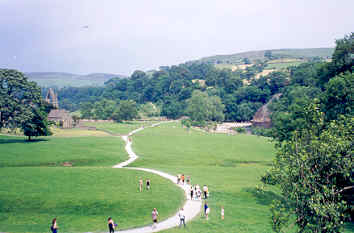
154, 215
182, 218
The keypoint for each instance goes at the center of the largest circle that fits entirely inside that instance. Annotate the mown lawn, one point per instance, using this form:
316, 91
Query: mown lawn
54, 151
231, 166
119, 128
81, 198
36, 187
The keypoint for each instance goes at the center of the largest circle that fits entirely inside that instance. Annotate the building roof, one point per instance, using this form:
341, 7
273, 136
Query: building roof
59, 113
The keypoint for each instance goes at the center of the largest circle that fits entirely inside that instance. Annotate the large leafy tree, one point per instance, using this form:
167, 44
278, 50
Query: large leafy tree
313, 169
202, 108
126, 110
21, 104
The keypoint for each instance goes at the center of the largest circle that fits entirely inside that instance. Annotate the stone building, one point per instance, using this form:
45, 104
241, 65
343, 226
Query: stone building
60, 116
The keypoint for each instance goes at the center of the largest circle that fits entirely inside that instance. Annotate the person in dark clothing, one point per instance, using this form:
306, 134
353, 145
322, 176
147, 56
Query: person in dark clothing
54, 227
111, 225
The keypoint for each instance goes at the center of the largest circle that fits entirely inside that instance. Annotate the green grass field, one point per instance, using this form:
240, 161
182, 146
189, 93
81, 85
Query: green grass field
81, 198
35, 187
231, 166
119, 128
54, 151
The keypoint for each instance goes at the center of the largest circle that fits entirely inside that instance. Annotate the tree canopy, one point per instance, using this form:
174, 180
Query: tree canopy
21, 105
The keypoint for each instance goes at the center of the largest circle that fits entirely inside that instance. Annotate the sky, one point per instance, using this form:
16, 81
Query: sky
120, 36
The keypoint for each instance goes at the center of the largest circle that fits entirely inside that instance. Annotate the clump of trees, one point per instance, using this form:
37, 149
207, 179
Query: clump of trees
110, 110
313, 130
202, 108
170, 88
21, 105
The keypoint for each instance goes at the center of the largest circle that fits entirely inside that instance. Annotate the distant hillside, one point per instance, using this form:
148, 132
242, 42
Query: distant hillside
58, 79
237, 58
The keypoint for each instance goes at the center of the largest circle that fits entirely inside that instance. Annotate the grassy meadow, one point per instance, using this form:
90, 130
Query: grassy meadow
36, 186
54, 151
119, 128
81, 198
230, 165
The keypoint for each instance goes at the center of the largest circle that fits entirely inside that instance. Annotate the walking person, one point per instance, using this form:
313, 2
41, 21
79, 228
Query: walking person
205, 191
207, 211
192, 192
154, 215
148, 184
205, 207
188, 180
178, 178
182, 179
182, 218
111, 225
222, 212
54, 226
141, 185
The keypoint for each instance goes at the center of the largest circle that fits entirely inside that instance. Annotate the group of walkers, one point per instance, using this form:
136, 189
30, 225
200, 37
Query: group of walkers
196, 193
148, 184
182, 179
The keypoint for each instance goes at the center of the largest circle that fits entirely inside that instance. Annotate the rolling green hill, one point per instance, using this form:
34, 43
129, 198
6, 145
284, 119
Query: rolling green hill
237, 58
59, 79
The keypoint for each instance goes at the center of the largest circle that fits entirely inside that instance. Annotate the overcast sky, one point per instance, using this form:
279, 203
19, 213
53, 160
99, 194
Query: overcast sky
120, 36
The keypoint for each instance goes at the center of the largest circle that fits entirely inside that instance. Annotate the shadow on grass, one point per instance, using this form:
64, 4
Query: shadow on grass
22, 140
264, 197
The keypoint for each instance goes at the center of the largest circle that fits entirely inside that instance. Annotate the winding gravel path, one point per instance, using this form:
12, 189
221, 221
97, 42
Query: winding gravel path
191, 207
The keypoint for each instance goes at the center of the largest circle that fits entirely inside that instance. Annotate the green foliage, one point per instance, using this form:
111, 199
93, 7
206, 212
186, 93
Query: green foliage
313, 168
21, 105
38, 125
202, 108
338, 98
127, 110
187, 123
260, 131
17, 96
343, 54
240, 130
149, 110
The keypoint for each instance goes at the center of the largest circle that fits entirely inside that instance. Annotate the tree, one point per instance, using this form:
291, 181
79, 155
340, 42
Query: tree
313, 170
127, 110
202, 108
343, 54
37, 125
197, 107
338, 97
21, 105
18, 97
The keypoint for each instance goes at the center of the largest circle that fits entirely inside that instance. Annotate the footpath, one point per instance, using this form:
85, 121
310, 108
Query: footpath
191, 207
